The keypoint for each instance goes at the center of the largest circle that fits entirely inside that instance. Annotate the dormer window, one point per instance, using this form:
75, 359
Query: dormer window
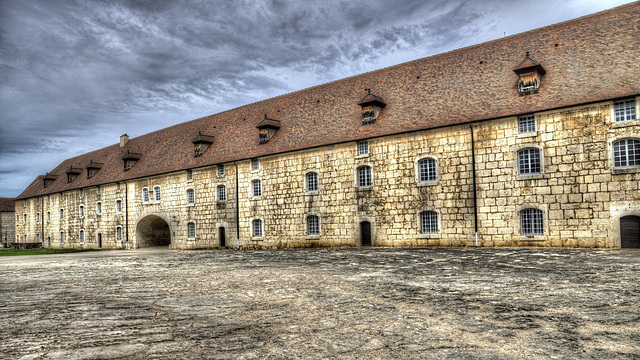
266, 129
72, 173
201, 143
93, 168
371, 107
48, 179
130, 159
530, 73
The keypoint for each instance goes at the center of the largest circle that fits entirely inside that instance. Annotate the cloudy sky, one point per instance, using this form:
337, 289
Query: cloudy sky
75, 75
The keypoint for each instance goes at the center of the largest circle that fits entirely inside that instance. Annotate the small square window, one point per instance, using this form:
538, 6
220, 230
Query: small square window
624, 110
363, 147
526, 124
255, 164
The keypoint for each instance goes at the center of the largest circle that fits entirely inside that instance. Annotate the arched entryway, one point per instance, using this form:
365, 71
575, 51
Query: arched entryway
630, 231
153, 230
365, 233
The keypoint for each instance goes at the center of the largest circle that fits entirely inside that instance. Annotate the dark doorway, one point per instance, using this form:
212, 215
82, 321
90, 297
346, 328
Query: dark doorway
222, 237
365, 233
99, 240
49, 241
153, 231
630, 231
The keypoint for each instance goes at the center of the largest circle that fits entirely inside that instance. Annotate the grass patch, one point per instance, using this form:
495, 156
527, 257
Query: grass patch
18, 252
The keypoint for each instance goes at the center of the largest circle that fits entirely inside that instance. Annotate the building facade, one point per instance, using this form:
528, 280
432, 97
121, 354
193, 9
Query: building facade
7, 222
530, 140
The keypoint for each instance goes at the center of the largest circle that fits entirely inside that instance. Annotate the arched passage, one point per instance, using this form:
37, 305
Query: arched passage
152, 230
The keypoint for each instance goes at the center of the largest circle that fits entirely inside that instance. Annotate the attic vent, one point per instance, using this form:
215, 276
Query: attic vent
93, 168
529, 72
201, 143
72, 173
266, 129
371, 106
48, 179
130, 159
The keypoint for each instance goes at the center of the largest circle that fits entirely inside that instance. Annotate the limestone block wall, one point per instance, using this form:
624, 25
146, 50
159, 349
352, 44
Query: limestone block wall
7, 227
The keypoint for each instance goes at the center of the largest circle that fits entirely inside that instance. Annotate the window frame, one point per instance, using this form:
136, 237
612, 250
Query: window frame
362, 148
61, 236
81, 211
191, 230
81, 236
118, 206
421, 224
633, 111
358, 177
61, 213
222, 192
308, 182
254, 165
529, 118
99, 208
191, 200
540, 159
418, 171
145, 195
253, 228
157, 194
317, 224
636, 150
221, 170
253, 188
119, 233
536, 212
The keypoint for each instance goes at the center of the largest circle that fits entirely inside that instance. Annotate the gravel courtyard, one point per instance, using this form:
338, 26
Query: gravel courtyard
428, 303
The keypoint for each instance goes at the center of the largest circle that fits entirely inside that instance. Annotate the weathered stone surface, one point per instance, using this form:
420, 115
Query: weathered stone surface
429, 303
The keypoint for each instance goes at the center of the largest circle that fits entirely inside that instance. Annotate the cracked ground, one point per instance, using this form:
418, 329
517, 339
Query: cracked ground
345, 303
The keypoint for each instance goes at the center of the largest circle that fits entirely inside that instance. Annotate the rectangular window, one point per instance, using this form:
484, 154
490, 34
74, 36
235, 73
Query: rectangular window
526, 124
529, 161
626, 153
119, 206
312, 181
221, 170
255, 164
363, 147
364, 176
531, 222
191, 196
119, 233
99, 208
37, 217
117, 186
257, 228
427, 170
313, 223
191, 230
624, 110
222, 193
257, 188
429, 222
189, 175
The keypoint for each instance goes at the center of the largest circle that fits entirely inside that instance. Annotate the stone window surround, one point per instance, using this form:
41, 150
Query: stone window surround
62, 237
419, 223
253, 169
81, 236
189, 203
416, 168
625, 170
217, 195
624, 123
98, 207
142, 193
520, 135
48, 216
120, 239
61, 212
306, 226
37, 217
189, 237
157, 198
306, 185
81, 211
221, 170
545, 222
363, 155
119, 211
251, 221
251, 196
356, 181
189, 175
516, 166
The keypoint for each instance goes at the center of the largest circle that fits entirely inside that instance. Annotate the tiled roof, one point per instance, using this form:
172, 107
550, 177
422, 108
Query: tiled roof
7, 205
469, 84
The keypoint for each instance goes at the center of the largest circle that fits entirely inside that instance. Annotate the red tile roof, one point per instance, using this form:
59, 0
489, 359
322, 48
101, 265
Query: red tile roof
7, 205
469, 84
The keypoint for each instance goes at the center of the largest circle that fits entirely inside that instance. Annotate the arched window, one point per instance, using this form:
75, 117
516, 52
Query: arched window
191, 230
531, 222
118, 206
24, 219
626, 153
156, 193
61, 213
48, 215
191, 196
145, 194
61, 237
222, 193
257, 228
364, 176
81, 211
257, 188
312, 181
429, 222
427, 169
81, 236
313, 225
37, 217
118, 233
529, 161
99, 208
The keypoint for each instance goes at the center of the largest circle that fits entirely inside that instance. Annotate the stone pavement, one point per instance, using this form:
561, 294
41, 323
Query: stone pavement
345, 303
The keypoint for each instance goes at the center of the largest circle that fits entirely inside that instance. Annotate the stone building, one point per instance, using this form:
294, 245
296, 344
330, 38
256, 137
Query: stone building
528, 140
7, 222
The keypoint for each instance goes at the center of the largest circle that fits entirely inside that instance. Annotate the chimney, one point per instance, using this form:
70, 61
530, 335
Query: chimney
124, 139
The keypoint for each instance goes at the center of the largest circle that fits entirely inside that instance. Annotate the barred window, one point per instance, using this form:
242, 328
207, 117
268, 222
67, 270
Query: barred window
255, 164
118, 206
313, 225
531, 222
221, 170
257, 188
118, 233
364, 176
222, 193
81, 236
427, 169
257, 228
624, 110
99, 208
626, 153
145, 194
312, 181
363, 147
526, 124
191, 196
529, 161
429, 222
156, 193
81, 211
191, 232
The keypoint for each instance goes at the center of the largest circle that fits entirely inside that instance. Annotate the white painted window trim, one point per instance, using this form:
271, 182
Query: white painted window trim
624, 123
417, 171
155, 193
253, 237
306, 182
189, 203
142, 192
357, 176
251, 192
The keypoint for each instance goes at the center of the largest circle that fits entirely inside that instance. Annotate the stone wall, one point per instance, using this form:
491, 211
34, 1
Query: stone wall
7, 227
579, 193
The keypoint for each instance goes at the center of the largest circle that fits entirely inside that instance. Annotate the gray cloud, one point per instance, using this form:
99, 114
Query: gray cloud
74, 75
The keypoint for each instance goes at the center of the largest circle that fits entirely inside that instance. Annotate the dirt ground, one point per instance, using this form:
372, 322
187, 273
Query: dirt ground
428, 303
